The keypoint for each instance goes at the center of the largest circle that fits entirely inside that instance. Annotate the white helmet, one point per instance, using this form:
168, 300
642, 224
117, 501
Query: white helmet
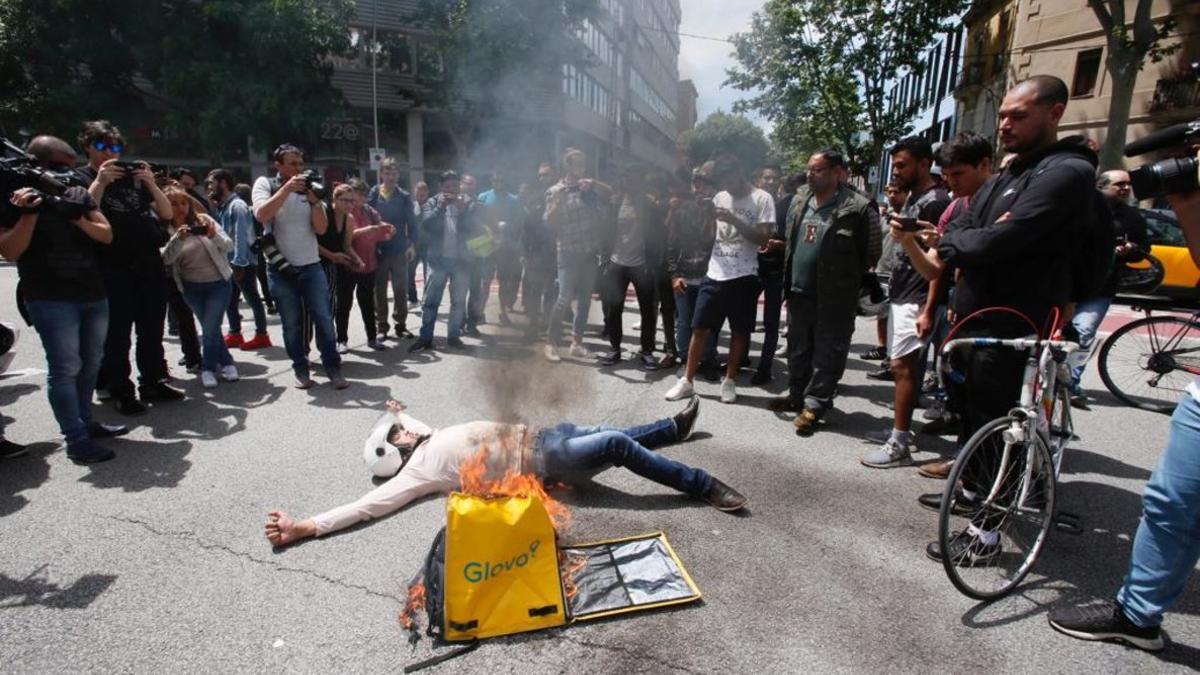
382, 458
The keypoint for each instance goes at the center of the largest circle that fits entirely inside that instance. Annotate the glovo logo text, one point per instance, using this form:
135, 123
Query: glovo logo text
475, 571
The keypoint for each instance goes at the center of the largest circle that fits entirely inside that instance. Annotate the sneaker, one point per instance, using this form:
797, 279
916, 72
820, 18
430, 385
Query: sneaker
966, 550
760, 378
876, 354
939, 469
304, 382
234, 340
942, 426
668, 361
1080, 401
420, 346
338, 380
381, 333
472, 330
723, 498
579, 351
377, 344
936, 410
457, 343
404, 333
87, 452
161, 391
102, 430
208, 379
728, 391
806, 422
551, 353
884, 374
1105, 621
890, 455
609, 358
685, 420
257, 342
128, 405
681, 390
930, 386
648, 361
8, 449
192, 368
342, 347
229, 373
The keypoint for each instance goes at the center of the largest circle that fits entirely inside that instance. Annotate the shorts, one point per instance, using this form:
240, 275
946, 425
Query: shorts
735, 300
902, 329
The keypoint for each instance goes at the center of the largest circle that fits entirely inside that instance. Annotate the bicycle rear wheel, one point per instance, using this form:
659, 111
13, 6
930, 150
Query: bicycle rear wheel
1001, 486
1149, 363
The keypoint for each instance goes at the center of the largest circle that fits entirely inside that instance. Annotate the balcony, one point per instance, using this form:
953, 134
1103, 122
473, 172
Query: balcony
1176, 95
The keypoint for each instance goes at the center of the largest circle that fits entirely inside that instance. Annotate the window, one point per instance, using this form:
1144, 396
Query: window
1087, 69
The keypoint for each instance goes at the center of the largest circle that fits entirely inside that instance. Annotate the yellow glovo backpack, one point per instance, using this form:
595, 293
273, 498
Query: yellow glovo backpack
497, 569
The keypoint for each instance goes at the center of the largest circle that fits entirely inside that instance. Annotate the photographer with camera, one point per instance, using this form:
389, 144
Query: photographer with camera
289, 207
1167, 545
132, 202
62, 289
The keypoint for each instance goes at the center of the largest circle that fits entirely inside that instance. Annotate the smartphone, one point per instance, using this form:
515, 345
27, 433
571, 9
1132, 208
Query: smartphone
908, 224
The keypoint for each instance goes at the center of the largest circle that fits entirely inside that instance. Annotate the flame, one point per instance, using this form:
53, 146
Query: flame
416, 603
570, 565
473, 480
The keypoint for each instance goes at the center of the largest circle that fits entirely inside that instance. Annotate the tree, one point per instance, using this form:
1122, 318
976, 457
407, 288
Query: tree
1129, 43
498, 58
220, 70
820, 70
722, 133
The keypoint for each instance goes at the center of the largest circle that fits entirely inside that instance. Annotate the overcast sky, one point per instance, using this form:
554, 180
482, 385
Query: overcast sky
705, 61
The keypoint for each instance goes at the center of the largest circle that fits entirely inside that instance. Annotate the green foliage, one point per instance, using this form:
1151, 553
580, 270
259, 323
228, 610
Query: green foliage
722, 133
820, 70
498, 58
221, 70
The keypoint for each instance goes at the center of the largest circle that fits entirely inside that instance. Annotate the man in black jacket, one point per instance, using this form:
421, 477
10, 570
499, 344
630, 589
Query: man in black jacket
1015, 250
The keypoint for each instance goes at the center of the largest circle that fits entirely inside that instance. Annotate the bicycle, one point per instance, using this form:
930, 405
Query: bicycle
1149, 362
1004, 477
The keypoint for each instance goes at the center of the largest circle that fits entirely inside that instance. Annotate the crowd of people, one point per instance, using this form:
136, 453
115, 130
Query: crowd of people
954, 238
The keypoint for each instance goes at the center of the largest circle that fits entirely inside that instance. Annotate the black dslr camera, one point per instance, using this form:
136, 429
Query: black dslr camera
23, 172
312, 181
159, 170
270, 252
1174, 174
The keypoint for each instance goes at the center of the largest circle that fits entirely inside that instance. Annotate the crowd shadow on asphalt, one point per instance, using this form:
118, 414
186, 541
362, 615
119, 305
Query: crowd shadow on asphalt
36, 590
26, 472
141, 465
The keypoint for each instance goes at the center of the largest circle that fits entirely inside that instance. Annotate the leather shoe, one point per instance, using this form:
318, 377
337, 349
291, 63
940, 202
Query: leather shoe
933, 502
161, 391
939, 469
760, 377
783, 404
102, 430
128, 405
723, 498
685, 420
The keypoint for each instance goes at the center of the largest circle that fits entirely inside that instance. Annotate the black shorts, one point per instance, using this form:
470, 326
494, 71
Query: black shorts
735, 300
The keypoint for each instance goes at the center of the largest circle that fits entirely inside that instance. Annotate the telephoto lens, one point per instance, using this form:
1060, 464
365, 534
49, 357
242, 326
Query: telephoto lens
1169, 176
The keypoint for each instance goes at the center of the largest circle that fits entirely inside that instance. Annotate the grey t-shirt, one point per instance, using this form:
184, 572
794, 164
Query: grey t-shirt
630, 249
292, 225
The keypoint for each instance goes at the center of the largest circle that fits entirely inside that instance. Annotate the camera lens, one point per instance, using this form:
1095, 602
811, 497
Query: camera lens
1169, 176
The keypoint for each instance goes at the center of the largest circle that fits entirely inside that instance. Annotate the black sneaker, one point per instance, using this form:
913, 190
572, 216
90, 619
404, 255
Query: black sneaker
1105, 621
966, 550
160, 391
102, 430
945, 425
1080, 401
723, 498
685, 420
87, 452
128, 405
8, 449
471, 330
609, 358
884, 373
420, 346
648, 361
876, 354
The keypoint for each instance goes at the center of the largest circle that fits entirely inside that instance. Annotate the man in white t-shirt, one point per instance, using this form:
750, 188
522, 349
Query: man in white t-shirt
745, 218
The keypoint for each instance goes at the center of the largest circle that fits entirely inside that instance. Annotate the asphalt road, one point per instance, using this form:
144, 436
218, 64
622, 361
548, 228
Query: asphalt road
157, 561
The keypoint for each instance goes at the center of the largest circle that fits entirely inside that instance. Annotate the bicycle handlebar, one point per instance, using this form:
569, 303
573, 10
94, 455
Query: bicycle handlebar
1015, 343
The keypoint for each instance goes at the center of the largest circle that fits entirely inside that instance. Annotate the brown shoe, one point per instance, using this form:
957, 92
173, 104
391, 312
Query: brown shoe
939, 469
724, 498
806, 422
783, 404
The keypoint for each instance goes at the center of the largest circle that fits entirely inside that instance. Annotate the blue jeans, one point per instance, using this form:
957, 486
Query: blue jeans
685, 308
209, 300
308, 289
72, 336
1088, 315
246, 287
456, 273
1167, 544
574, 453
576, 280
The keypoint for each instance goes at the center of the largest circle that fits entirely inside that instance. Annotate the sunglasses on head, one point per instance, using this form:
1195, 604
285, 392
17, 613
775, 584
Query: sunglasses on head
101, 146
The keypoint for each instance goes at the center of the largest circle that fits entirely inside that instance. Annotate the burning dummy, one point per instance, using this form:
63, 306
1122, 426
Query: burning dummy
428, 460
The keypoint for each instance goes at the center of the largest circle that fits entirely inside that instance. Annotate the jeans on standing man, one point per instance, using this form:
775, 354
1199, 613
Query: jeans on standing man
72, 335
576, 280
309, 289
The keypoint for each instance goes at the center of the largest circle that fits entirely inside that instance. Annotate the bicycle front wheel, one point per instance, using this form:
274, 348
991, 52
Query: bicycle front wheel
996, 509
1149, 363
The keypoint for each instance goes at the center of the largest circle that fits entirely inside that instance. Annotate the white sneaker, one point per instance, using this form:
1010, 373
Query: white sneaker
728, 391
579, 351
342, 347
208, 378
229, 373
551, 353
682, 389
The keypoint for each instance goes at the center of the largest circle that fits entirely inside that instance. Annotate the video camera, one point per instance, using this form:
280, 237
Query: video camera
23, 172
1174, 174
